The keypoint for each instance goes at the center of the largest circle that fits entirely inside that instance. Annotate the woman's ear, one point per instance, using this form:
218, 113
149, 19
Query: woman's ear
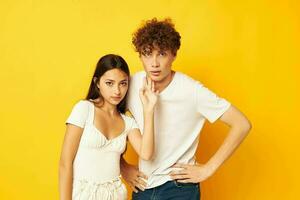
96, 82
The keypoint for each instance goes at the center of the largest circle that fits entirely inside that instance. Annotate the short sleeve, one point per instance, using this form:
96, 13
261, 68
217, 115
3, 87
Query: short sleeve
209, 104
79, 114
133, 123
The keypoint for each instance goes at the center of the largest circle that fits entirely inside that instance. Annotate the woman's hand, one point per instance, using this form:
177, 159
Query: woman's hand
148, 95
134, 177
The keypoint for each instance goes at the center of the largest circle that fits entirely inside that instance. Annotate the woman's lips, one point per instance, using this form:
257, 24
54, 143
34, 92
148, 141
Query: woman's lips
116, 98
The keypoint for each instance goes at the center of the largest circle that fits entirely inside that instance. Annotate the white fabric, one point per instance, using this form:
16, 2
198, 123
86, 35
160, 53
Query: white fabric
180, 114
96, 168
87, 190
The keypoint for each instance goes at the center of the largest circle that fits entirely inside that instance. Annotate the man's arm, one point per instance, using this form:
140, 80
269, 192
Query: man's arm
239, 128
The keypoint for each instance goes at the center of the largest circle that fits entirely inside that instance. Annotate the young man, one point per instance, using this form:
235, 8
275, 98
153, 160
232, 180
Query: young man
183, 106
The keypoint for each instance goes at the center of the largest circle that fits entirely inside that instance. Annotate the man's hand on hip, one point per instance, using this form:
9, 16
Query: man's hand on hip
191, 173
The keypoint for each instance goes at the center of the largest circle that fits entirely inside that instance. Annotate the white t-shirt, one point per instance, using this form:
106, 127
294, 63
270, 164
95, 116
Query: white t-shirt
98, 158
179, 116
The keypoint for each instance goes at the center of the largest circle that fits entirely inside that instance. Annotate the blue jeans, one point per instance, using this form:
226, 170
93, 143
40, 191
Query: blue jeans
171, 190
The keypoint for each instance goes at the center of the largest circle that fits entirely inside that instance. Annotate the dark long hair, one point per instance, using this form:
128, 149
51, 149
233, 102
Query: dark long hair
106, 63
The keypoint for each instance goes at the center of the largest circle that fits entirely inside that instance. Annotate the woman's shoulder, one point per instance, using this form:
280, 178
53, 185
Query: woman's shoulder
82, 106
126, 117
79, 113
130, 121
83, 103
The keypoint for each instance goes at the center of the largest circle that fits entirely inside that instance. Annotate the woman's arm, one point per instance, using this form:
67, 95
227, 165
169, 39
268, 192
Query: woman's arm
69, 149
144, 144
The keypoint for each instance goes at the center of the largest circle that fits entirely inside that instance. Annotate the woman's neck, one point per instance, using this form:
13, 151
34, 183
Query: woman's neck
107, 108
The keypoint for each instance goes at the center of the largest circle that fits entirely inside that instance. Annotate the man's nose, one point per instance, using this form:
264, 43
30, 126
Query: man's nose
155, 62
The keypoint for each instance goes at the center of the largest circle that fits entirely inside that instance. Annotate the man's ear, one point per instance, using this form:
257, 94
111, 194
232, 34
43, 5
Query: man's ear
175, 55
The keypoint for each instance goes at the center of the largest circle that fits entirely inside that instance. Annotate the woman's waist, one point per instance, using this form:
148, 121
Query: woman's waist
93, 181
100, 169
98, 173
96, 159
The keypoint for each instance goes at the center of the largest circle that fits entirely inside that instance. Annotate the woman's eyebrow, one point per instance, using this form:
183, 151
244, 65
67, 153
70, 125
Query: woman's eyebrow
109, 80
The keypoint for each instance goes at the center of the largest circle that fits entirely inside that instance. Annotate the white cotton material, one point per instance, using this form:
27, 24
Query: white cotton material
180, 113
96, 167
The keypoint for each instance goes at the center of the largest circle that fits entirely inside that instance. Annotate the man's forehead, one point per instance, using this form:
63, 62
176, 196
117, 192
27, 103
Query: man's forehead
151, 48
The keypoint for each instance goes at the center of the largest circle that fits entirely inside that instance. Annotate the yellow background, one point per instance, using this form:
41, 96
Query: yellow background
246, 51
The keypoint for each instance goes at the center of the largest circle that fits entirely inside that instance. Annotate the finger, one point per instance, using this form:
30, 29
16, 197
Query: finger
139, 182
152, 86
142, 97
142, 182
145, 83
133, 189
178, 172
142, 91
179, 177
142, 175
179, 165
139, 186
148, 83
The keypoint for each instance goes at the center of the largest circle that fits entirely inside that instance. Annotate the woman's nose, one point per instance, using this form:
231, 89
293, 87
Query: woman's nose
117, 90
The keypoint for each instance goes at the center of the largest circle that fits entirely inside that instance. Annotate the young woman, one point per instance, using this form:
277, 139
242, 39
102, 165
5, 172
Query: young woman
96, 135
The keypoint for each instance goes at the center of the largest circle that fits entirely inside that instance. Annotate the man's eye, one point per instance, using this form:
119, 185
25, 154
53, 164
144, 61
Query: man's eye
124, 83
162, 53
147, 54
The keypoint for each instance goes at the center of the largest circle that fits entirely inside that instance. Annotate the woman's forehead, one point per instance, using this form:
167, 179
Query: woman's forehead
115, 74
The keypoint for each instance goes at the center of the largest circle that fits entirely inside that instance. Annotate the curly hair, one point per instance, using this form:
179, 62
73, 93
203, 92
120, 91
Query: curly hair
154, 33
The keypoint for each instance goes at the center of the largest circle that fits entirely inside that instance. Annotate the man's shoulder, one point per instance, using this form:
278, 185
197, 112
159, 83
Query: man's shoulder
186, 79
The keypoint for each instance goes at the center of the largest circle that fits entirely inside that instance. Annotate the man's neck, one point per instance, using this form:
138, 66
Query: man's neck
161, 85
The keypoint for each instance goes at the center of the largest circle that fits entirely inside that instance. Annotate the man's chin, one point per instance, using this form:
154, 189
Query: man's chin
155, 78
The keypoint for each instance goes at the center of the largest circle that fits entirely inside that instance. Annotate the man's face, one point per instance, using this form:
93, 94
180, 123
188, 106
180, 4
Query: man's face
157, 63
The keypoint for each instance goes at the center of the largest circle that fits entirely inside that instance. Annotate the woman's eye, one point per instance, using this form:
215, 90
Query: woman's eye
162, 53
109, 83
124, 83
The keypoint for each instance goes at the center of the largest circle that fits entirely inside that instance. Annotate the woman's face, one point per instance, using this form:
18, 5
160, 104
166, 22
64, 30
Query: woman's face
113, 86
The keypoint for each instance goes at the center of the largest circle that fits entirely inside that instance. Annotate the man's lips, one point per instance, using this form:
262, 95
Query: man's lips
155, 73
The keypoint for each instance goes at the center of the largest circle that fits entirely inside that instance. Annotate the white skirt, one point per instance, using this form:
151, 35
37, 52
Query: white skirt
86, 190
